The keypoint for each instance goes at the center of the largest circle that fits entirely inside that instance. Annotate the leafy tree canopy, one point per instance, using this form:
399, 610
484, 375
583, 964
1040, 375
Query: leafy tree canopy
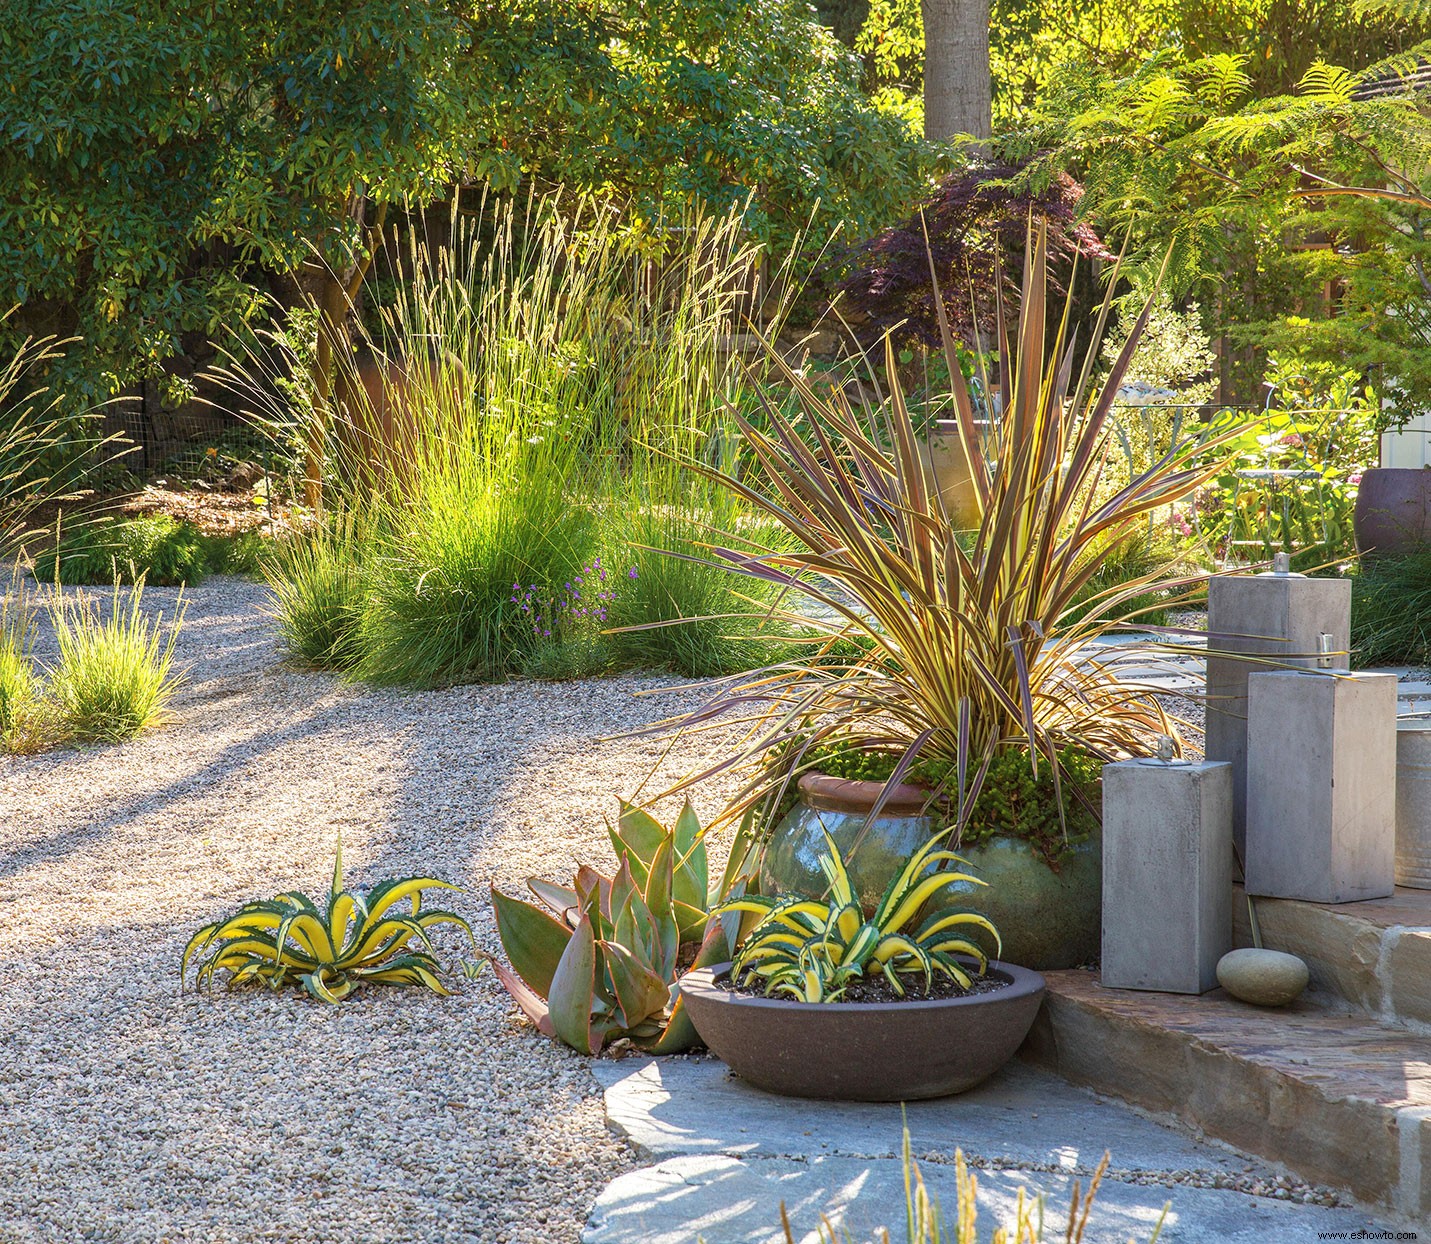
1301, 216
164, 157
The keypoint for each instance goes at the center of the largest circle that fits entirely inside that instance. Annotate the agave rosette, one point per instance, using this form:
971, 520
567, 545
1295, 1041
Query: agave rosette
811, 950
600, 960
356, 938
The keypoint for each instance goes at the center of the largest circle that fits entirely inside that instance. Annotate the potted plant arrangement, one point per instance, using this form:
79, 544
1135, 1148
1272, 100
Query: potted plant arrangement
960, 680
820, 994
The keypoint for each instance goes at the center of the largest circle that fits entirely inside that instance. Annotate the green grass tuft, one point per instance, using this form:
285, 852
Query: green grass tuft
114, 675
701, 619
318, 592
1391, 610
27, 720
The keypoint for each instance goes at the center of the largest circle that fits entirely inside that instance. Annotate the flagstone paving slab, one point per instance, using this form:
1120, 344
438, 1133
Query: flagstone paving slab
726, 1156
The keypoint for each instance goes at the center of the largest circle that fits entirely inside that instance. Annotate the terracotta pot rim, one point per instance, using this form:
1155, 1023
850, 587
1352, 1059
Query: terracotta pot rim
836, 794
1024, 982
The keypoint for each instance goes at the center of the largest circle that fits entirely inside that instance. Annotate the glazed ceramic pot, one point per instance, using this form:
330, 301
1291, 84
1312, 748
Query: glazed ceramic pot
864, 1051
1393, 510
1048, 919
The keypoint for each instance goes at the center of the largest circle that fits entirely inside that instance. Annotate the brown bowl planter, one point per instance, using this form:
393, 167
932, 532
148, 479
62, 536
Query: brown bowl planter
864, 1051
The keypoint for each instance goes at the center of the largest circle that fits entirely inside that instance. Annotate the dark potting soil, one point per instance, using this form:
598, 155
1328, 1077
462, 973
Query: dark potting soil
877, 988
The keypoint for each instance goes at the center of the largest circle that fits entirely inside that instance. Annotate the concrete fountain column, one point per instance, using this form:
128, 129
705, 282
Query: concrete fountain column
1291, 620
1167, 874
1321, 786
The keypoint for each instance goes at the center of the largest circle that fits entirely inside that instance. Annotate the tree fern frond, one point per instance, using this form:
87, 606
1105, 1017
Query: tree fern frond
1329, 85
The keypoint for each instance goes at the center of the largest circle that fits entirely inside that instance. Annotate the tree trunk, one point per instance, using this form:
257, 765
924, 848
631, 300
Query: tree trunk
957, 92
332, 369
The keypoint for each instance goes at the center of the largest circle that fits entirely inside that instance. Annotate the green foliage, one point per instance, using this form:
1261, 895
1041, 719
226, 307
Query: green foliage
813, 950
356, 938
1023, 804
163, 153
606, 962
101, 550
1292, 483
666, 107
168, 157
240, 554
1013, 801
1282, 202
1030, 44
1391, 611
113, 677
155, 547
319, 591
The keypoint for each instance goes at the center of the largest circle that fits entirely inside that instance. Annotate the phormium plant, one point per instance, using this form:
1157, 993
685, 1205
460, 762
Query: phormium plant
943, 644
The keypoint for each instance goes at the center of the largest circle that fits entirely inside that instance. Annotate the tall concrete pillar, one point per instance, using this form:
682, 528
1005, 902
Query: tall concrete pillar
1413, 803
1167, 874
1321, 786
1284, 617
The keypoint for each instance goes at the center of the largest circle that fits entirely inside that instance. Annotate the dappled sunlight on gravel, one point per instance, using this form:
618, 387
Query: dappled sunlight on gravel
131, 1112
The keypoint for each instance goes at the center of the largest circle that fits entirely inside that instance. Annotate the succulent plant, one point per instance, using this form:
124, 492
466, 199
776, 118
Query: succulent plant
811, 950
356, 938
602, 961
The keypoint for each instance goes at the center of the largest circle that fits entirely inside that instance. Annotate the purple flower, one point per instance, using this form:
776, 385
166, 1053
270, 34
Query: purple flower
631, 574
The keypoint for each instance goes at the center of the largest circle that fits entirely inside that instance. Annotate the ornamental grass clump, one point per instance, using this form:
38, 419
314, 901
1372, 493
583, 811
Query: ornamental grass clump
114, 676
315, 578
45, 446
27, 718
520, 408
941, 644
358, 937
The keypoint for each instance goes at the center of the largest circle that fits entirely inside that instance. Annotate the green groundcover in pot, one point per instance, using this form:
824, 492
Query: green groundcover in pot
1048, 918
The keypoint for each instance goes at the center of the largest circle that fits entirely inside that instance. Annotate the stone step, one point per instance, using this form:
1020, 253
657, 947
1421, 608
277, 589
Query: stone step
1375, 955
1334, 1097
724, 1158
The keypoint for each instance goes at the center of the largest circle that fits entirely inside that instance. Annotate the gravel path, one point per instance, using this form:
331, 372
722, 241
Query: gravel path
131, 1112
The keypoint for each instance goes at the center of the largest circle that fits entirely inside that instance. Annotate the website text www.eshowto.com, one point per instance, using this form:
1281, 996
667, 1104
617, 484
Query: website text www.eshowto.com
1367, 1235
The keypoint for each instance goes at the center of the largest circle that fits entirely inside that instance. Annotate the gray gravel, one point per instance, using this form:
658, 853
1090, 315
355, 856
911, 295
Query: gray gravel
131, 1112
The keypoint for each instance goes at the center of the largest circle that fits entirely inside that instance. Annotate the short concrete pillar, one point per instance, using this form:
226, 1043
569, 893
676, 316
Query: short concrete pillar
1413, 803
1321, 786
1167, 874
1270, 615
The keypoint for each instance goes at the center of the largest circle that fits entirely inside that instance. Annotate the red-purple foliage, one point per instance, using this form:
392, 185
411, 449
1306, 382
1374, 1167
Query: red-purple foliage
970, 217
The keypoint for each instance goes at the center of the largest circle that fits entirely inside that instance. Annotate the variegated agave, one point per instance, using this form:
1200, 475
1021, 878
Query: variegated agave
812, 950
602, 961
355, 939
